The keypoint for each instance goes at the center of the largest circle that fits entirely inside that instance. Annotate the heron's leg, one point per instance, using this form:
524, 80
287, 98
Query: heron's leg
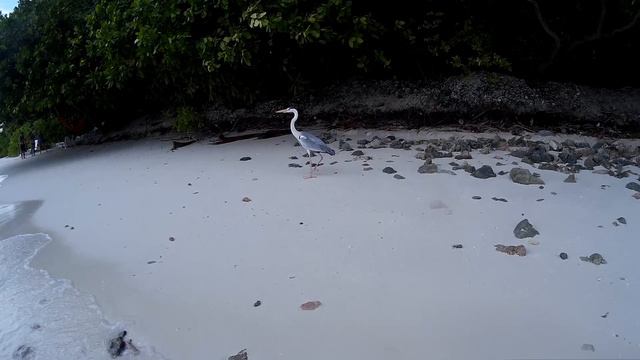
310, 166
318, 164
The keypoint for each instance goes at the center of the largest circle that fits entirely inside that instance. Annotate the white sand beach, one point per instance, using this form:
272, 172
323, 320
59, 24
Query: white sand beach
164, 243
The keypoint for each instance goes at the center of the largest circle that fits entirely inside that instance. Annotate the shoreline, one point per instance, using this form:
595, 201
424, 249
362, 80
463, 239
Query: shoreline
372, 250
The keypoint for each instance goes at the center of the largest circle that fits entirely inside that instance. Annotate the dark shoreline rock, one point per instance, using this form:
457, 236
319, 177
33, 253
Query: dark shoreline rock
524, 229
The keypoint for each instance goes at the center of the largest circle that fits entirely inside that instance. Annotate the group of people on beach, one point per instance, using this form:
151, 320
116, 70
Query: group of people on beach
36, 145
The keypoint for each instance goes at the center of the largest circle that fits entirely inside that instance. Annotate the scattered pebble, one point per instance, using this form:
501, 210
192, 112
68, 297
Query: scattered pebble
367, 169
389, 170
117, 345
594, 258
499, 199
588, 347
524, 229
457, 246
633, 186
357, 153
484, 172
257, 303
151, 262
310, 305
294, 165
428, 168
564, 256
246, 199
604, 316
540, 200
333, 163
293, 157
398, 176
476, 197
242, 355
519, 250
23, 352
524, 176
622, 220
171, 238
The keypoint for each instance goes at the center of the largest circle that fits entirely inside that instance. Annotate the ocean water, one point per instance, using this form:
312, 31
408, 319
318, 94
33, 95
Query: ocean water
43, 318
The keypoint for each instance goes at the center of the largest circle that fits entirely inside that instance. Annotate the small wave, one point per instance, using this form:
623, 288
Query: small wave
46, 318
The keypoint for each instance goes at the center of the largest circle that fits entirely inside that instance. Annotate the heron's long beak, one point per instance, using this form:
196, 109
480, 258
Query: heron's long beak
282, 111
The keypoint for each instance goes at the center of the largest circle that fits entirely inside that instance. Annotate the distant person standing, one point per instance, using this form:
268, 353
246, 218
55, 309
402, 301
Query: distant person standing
33, 144
23, 147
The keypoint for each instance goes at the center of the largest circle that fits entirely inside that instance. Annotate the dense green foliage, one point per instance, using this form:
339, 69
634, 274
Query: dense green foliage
85, 63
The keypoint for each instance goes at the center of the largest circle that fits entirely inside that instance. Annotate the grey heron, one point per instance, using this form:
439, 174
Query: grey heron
309, 142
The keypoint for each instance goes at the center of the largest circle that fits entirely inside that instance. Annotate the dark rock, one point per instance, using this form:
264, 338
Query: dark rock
357, 153
117, 345
36, 327
594, 258
539, 154
500, 164
568, 157
293, 165
389, 170
293, 157
333, 163
345, 146
457, 246
588, 347
428, 168
242, 355
548, 166
523, 176
519, 250
468, 168
571, 178
367, 169
171, 238
519, 153
257, 303
397, 144
476, 197
151, 262
502, 172
465, 155
622, 220
484, 172
454, 164
564, 256
398, 176
499, 199
362, 142
555, 146
391, 137
633, 186
245, 158
524, 229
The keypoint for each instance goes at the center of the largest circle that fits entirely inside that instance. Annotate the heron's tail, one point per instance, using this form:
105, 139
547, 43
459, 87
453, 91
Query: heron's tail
328, 150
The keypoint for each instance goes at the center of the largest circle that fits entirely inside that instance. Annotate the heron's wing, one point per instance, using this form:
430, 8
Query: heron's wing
314, 143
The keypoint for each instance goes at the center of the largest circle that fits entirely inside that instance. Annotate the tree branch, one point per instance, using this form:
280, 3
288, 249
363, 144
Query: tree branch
556, 39
544, 24
598, 34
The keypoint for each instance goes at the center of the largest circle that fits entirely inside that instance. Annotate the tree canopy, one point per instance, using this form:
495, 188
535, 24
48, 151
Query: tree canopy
67, 65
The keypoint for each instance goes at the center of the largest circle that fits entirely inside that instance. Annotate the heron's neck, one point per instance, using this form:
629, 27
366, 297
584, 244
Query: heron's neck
294, 131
